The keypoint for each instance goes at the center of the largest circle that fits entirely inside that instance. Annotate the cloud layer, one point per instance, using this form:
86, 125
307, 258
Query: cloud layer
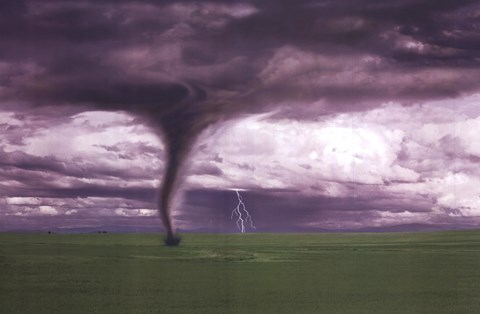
338, 114
392, 165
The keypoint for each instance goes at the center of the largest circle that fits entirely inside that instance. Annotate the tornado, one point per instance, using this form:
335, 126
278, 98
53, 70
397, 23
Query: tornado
178, 139
166, 193
179, 129
177, 111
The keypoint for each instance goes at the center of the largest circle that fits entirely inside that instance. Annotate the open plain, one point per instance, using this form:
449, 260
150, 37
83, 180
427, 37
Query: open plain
437, 272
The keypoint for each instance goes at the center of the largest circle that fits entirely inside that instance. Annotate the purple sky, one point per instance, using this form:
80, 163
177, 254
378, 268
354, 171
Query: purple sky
325, 114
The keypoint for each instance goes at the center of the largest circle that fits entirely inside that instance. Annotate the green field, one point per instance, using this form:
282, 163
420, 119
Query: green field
252, 273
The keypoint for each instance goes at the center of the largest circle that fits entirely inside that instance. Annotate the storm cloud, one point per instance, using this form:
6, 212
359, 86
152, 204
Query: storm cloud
344, 93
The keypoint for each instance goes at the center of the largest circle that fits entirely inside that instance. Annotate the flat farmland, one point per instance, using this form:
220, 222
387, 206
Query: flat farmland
437, 272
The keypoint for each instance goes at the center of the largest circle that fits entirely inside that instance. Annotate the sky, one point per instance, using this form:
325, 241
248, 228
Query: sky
324, 115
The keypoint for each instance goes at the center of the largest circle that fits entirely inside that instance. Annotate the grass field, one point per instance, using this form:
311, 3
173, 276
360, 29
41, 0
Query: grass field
254, 273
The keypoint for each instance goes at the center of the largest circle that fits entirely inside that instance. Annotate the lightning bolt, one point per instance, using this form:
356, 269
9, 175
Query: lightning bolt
242, 214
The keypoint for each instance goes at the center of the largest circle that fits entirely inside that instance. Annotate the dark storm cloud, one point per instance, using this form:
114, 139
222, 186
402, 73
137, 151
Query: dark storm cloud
188, 64
130, 151
70, 47
133, 193
183, 66
140, 147
78, 190
292, 211
17, 127
12, 135
18, 160
24, 175
207, 169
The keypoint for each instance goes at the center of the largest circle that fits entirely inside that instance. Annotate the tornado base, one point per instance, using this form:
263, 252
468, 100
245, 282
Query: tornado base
172, 240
